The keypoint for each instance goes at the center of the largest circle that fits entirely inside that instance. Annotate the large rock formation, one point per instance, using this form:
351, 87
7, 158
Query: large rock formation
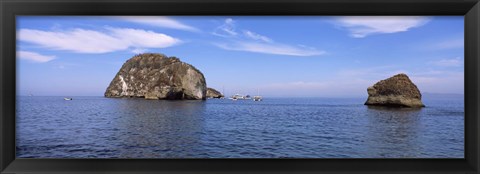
156, 76
212, 93
398, 91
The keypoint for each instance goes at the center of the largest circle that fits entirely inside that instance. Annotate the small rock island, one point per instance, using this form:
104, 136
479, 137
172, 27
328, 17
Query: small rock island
212, 93
156, 76
397, 91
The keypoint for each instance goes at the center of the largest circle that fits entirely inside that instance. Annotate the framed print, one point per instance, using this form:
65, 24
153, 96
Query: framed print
239, 87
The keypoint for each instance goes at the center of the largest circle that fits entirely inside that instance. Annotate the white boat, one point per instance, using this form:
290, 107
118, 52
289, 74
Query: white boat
257, 97
68, 98
237, 97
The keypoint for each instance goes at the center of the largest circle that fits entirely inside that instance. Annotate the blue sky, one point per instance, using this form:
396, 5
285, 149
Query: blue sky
278, 56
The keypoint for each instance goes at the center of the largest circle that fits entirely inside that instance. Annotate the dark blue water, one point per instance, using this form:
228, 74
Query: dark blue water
98, 127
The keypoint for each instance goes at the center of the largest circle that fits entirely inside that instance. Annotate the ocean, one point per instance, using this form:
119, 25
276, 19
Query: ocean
98, 127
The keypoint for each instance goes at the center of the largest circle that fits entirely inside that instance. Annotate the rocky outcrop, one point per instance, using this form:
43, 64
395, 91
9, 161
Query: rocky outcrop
212, 93
156, 76
397, 91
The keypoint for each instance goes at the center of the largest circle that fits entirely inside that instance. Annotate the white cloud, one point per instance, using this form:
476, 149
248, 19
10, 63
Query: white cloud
253, 42
362, 26
268, 48
256, 36
90, 41
227, 29
34, 57
77, 40
159, 21
143, 39
455, 62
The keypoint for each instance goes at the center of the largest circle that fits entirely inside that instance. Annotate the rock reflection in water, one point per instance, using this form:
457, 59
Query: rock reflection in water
393, 129
153, 129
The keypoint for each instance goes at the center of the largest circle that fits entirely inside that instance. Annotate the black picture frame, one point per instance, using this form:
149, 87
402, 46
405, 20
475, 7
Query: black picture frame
470, 9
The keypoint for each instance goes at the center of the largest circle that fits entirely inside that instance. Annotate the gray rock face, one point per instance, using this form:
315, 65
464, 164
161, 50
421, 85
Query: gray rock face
156, 76
397, 91
212, 93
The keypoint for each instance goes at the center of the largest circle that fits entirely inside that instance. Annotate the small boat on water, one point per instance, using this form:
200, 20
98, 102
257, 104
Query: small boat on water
239, 97
67, 98
244, 97
257, 97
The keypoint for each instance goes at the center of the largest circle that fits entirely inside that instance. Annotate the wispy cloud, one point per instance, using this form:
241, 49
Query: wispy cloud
363, 26
254, 42
256, 36
90, 41
34, 57
227, 29
142, 38
269, 48
159, 21
455, 62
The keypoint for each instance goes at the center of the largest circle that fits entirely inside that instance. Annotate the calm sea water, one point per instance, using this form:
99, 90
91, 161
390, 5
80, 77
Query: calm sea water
98, 127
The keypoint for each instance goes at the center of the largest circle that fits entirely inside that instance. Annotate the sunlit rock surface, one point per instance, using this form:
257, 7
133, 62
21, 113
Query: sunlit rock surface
212, 93
156, 76
397, 91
